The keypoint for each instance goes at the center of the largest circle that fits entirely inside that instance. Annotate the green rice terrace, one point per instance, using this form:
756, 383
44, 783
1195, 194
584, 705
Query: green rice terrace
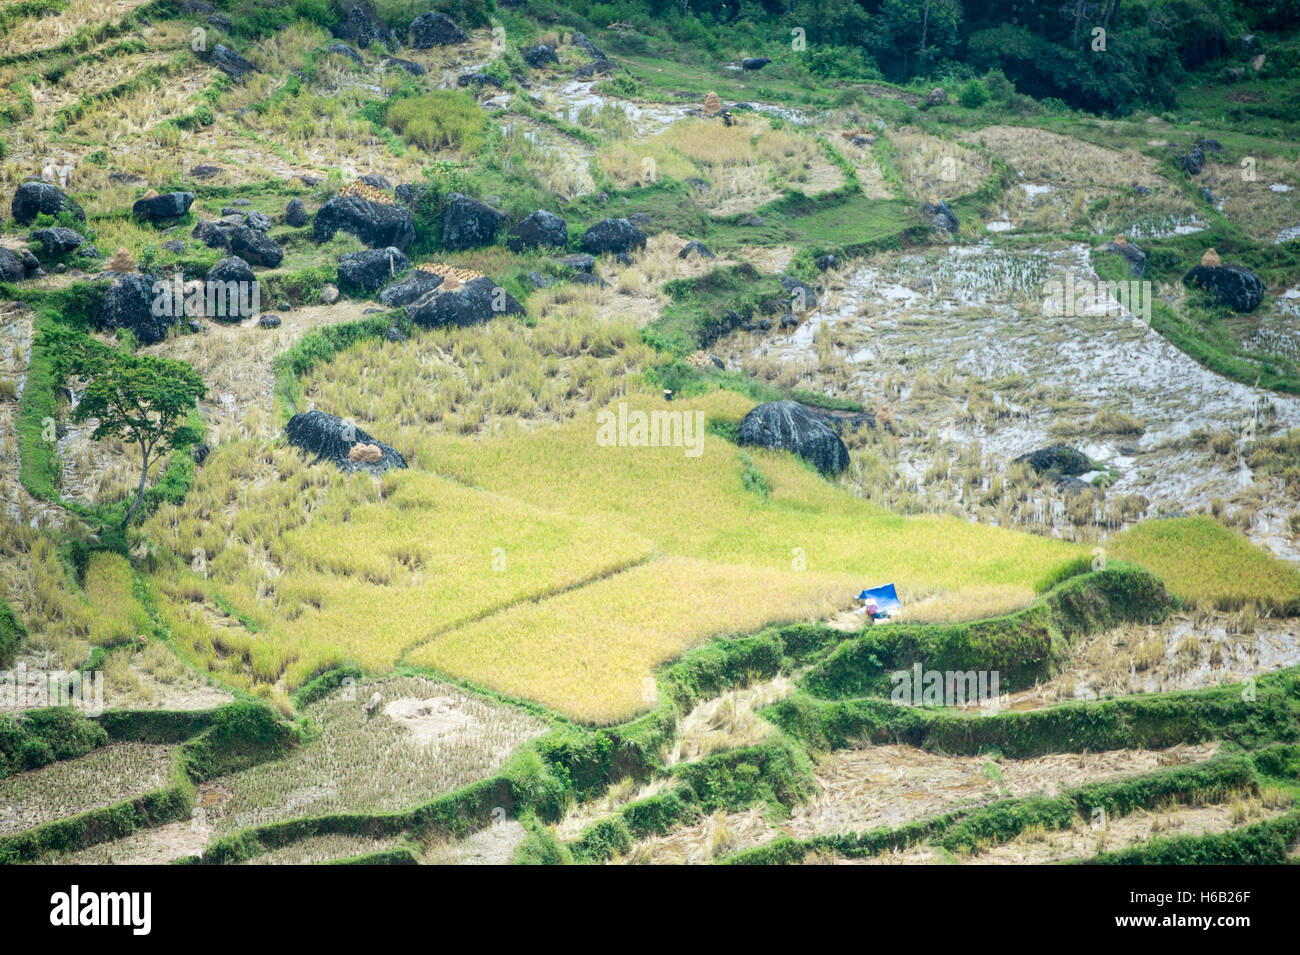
473, 432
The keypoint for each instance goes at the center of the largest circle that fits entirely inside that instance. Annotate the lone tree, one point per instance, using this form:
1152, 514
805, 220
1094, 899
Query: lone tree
143, 400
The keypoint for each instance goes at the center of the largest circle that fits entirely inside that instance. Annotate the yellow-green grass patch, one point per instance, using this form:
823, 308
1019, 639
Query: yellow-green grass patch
589, 652
1201, 561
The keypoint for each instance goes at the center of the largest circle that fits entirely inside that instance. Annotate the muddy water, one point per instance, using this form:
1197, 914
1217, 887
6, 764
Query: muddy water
980, 312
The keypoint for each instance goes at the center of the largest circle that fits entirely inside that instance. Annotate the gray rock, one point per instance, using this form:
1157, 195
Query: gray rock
1136, 258
473, 303
586, 46
35, 198
12, 268
129, 303
58, 240
612, 235
230, 62
342, 49
578, 261
330, 438
370, 270
539, 230
695, 248
824, 262
1192, 161
413, 287
540, 55
941, 217
435, 29
478, 79
295, 214
376, 224
395, 334
790, 426
169, 205
1231, 285
174, 245
329, 294
1059, 459
257, 247
362, 26
469, 223
540, 280
937, 97
415, 69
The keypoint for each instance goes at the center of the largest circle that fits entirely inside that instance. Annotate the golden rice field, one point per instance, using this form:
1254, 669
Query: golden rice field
1203, 562
589, 652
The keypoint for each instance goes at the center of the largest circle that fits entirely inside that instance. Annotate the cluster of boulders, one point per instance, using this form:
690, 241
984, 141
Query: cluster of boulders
241, 234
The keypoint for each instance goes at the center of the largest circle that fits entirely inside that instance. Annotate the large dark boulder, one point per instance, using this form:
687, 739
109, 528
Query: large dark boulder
475, 302
230, 62
58, 241
362, 26
35, 198
413, 287
538, 56
538, 230
372, 269
257, 247
250, 217
1238, 288
940, 215
612, 235
130, 303
1059, 459
469, 223
330, 438
789, 426
435, 29
377, 224
12, 267
231, 293
170, 205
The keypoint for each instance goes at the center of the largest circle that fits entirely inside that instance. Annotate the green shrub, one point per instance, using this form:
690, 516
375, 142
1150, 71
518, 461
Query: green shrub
12, 632
974, 94
39, 737
442, 119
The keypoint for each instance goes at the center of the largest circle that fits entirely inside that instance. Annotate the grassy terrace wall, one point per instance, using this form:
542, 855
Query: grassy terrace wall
212, 743
1022, 646
964, 830
1151, 722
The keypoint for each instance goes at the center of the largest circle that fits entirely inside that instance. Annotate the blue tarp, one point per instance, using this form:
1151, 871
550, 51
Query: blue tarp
886, 597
